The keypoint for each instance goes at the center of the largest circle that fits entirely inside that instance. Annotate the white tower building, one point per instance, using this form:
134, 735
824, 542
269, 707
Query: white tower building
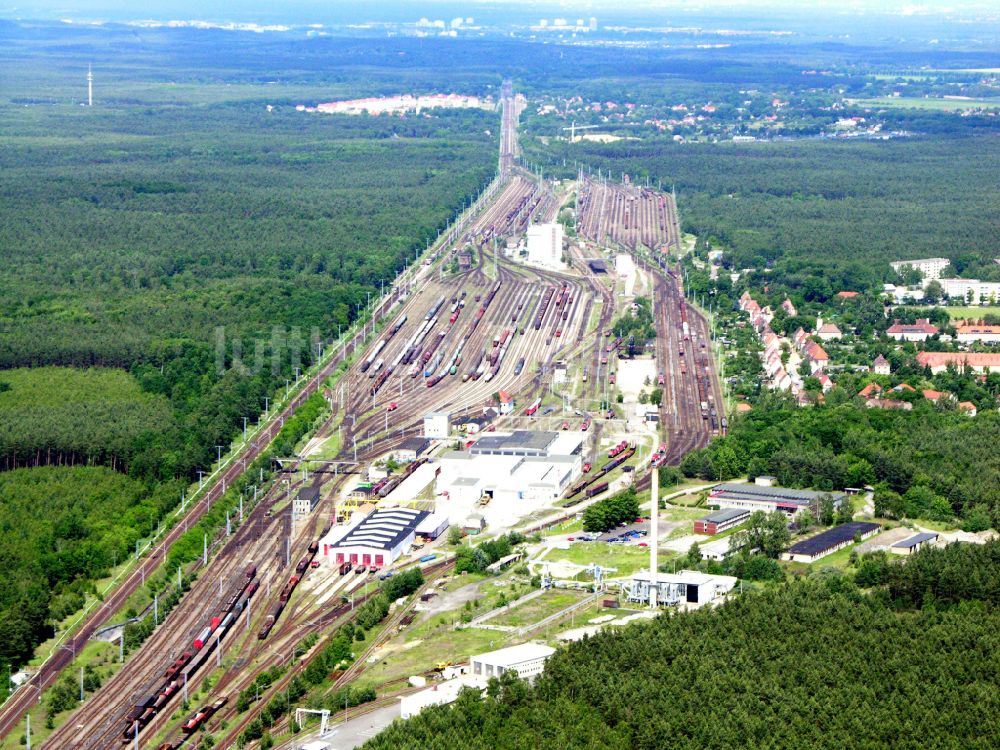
90, 87
545, 244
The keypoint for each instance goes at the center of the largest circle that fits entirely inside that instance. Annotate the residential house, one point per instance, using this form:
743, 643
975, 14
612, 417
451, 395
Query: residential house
972, 361
918, 331
888, 403
872, 390
816, 356
824, 381
881, 366
968, 407
967, 334
935, 396
827, 331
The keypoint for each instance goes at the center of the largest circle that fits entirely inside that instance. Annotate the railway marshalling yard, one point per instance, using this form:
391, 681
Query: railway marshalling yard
447, 339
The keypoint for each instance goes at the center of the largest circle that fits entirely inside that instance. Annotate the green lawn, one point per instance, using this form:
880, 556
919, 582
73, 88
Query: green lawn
102, 656
972, 311
939, 105
626, 558
539, 608
440, 644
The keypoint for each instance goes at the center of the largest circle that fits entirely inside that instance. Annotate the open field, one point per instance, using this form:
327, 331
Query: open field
972, 312
627, 558
547, 604
939, 105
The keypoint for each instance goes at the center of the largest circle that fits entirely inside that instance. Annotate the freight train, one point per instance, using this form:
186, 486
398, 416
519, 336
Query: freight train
622, 453
183, 669
286, 592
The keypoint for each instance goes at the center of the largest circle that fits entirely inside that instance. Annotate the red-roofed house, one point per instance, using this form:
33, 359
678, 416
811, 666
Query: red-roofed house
506, 402
934, 396
788, 307
870, 390
816, 356
968, 407
966, 334
974, 361
824, 381
846, 295
918, 331
800, 337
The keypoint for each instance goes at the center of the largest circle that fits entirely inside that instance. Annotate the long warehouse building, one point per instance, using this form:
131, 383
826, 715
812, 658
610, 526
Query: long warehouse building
378, 538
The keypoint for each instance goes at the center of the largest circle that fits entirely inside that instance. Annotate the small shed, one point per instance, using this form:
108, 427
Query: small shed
914, 543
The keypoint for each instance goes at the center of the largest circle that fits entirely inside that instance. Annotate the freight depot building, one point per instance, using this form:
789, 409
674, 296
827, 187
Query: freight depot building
766, 498
515, 472
518, 465
376, 538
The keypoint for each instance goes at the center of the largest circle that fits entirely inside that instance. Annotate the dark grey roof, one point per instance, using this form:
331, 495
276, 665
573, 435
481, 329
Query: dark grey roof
772, 494
309, 493
384, 529
416, 444
518, 443
833, 537
916, 539
726, 514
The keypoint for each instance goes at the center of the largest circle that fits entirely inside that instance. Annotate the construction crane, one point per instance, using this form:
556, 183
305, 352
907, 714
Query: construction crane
574, 127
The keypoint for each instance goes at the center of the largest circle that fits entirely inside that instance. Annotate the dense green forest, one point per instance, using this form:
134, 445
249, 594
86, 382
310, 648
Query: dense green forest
926, 463
179, 251
173, 241
812, 664
827, 216
91, 520
67, 416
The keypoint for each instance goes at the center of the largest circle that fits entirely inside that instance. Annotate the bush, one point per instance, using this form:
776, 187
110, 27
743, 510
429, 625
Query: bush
606, 514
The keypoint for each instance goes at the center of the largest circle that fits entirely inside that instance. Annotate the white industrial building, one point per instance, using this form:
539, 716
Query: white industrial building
377, 538
438, 695
437, 425
514, 473
545, 245
305, 501
433, 525
528, 660
684, 587
974, 291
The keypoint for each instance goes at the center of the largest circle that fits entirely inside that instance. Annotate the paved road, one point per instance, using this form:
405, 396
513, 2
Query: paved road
354, 733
